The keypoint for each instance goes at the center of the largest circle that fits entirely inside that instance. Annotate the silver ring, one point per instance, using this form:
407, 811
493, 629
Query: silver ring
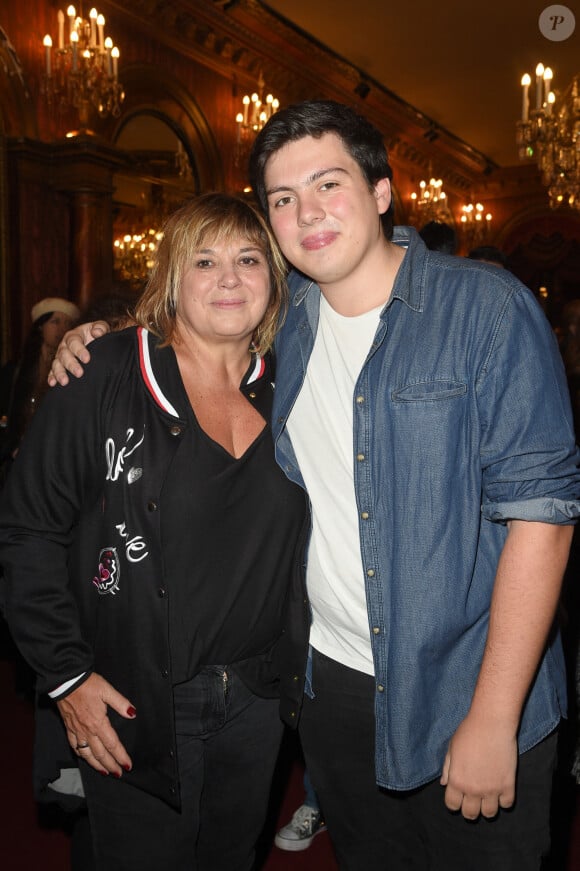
82, 746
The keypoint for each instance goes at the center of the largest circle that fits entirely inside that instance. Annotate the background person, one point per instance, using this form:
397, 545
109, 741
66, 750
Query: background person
150, 588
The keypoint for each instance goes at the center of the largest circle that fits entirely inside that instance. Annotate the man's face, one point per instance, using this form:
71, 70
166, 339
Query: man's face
325, 217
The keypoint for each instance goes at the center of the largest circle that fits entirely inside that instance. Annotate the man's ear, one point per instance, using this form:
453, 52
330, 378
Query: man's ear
383, 195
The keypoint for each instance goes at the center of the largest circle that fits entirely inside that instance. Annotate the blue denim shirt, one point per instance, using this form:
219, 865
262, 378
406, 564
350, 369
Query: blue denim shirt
462, 422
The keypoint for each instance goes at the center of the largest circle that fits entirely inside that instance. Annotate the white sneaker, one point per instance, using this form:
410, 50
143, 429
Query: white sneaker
299, 833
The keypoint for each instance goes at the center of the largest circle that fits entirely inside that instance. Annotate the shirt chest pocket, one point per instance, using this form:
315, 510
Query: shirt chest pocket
429, 391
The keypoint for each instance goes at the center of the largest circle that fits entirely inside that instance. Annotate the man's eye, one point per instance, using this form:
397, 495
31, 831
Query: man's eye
327, 185
282, 201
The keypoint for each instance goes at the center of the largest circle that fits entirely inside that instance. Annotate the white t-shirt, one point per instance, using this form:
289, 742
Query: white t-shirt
321, 429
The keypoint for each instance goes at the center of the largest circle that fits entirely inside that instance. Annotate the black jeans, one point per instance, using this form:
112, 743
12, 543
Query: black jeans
228, 742
373, 829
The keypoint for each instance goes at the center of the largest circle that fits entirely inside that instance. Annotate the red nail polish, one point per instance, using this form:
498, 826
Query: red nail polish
131, 711
104, 773
127, 767
117, 774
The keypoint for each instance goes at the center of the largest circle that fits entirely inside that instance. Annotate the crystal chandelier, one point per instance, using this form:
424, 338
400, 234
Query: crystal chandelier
474, 223
549, 133
430, 203
83, 71
134, 254
256, 110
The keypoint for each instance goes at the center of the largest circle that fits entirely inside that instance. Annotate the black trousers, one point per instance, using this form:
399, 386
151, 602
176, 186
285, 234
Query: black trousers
373, 829
228, 744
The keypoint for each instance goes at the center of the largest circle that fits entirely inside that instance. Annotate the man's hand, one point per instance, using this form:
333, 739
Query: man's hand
72, 349
88, 728
479, 771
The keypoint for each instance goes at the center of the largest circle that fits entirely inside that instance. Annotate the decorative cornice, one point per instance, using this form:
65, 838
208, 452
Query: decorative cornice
241, 38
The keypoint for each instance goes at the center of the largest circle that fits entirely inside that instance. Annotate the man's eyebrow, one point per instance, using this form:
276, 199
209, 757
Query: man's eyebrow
314, 177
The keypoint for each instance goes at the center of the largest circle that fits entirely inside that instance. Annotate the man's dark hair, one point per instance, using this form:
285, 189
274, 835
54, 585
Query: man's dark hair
439, 236
490, 254
314, 118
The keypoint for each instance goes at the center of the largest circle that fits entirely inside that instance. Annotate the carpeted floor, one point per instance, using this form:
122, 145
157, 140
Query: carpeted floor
30, 841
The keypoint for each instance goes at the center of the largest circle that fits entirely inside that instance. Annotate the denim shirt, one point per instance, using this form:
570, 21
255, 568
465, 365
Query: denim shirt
462, 422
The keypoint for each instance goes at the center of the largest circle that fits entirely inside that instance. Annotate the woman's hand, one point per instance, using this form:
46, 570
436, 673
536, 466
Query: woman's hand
72, 349
88, 728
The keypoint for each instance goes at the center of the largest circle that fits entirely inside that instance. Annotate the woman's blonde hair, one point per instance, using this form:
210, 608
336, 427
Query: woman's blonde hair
204, 220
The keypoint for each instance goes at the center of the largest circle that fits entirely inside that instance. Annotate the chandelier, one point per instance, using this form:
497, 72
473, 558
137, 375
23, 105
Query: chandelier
549, 133
134, 254
83, 71
474, 223
256, 110
430, 203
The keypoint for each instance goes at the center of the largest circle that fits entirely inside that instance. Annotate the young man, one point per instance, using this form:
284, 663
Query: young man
421, 401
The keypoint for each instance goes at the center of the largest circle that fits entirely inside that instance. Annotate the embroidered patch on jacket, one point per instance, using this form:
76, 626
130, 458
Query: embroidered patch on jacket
107, 581
134, 474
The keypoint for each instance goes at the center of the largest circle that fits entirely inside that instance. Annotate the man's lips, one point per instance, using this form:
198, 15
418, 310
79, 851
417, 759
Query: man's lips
315, 241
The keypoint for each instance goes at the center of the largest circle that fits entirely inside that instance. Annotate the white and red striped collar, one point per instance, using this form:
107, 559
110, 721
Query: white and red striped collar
148, 375
144, 336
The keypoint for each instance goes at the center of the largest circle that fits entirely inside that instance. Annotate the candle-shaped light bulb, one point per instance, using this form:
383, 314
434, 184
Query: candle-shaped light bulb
74, 41
539, 84
47, 43
93, 15
108, 49
101, 27
115, 54
246, 102
526, 82
550, 102
60, 17
548, 75
71, 14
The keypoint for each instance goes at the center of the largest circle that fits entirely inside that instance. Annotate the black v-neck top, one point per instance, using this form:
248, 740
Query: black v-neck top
229, 531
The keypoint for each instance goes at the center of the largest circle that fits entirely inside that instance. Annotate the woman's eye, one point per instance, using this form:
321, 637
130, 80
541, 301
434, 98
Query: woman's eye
249, 261
203, 264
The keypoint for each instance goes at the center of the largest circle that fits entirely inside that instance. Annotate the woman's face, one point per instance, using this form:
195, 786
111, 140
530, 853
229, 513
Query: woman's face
225, 291
54, 329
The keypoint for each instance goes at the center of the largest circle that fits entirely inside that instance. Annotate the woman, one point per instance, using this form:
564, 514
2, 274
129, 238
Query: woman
51, 318
160, 540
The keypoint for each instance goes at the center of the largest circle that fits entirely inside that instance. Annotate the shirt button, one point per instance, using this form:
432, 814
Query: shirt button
171, 754
172, 790
292, 714
175, 430
295, 678
151, 505
164, 673
380, 688
360, 457
365, 515
370, 573
360, 400
376, 630
161, 593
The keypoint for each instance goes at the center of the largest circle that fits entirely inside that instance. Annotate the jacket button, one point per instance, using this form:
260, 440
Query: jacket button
171, 754
360, 400
292, 714
172, 790
295, 678
376, 630
370, 573
175, 430
151, 505
365, 515
252, 395
380, 688
360, 457
164, 673
161, 593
